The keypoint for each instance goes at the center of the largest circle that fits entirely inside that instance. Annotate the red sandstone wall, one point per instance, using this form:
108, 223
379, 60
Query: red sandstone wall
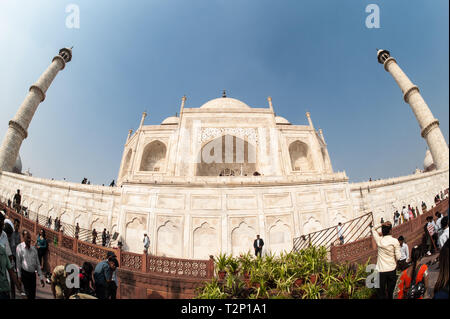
140, 276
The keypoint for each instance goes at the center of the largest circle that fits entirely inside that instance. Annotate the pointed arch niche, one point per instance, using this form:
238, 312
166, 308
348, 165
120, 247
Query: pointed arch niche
301, 160
153, 157
227, 155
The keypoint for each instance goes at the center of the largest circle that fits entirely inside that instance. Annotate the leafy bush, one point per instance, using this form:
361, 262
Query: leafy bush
303, 275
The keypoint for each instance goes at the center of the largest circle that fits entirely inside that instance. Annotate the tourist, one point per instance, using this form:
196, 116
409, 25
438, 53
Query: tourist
94, 237
438, 221
405, 214
146, 242
103, 275
258, 245
27, 265
42, 246
86, 280
404, 250
413, 281
56, 224
441, 286
114, 283
14, 240
443, 237
17, 200
340, 234
414, 212
77, 231
411, 215
84, 181
431, 227
396, 218
7, 268
424, 206
58, 283
113, 183
108, 239
4, 241
49, 222
9, 203
104, 237
388, 253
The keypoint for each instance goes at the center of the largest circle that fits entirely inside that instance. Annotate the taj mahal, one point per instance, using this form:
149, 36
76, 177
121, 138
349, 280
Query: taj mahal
213, 177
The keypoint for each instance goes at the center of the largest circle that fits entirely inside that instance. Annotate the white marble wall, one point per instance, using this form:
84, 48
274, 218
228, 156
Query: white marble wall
193, 218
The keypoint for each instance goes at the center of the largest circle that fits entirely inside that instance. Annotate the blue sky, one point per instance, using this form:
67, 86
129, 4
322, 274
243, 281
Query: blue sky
131, 56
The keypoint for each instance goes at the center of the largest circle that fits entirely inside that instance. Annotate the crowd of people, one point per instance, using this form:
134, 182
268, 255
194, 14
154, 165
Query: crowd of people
402, 275
21, 260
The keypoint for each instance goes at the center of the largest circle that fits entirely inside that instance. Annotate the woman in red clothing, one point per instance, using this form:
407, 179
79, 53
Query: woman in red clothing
417, 271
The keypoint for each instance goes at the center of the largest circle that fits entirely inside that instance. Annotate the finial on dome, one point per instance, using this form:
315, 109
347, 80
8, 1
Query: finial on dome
224, 93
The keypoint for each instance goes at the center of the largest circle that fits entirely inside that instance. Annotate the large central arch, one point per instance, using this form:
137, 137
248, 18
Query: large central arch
227, 156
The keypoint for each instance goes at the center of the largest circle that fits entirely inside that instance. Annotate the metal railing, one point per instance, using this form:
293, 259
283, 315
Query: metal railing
351, 231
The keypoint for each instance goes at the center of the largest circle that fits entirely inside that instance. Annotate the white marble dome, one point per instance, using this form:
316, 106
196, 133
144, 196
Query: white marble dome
225, 102
171, 120
281, 120
428, 161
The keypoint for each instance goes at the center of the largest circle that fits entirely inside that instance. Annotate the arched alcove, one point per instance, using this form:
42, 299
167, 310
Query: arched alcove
205, 241
227, 156
242, 238
169, 241
134, 234
153, 157
126, 164
300, 157
280, 238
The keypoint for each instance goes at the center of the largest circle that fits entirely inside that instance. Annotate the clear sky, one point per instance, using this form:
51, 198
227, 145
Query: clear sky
131, 56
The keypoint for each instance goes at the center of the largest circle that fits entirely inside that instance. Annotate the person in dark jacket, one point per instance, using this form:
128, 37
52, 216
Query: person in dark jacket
258, 245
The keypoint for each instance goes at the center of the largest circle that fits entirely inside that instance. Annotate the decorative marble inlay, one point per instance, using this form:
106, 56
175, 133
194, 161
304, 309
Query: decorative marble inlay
211, 133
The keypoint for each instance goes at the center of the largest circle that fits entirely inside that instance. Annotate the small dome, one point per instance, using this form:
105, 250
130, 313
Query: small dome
428, 163
17, 166
281, 120
224, 103
171, 120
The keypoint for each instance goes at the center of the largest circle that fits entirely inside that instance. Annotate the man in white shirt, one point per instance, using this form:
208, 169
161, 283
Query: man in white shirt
27, 265
438, 221
388, 253
443, 237
404, 257
258, 244
405, 213
146, 243
4, 238
340, 234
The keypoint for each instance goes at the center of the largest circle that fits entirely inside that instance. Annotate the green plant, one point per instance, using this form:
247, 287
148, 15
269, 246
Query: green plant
311, 291
232, 265
221, 262
211, 290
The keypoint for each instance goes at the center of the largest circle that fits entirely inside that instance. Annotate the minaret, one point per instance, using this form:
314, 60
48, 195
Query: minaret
129, 134
269, 99
183, 101
144, 115
17, 130
308, 115
429, 126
